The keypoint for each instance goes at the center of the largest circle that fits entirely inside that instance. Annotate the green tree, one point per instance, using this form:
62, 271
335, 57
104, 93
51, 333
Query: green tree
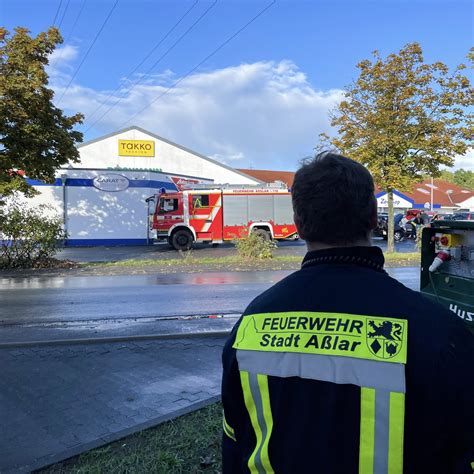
461, 177
403, 118
446, 175
464, 178
36, 137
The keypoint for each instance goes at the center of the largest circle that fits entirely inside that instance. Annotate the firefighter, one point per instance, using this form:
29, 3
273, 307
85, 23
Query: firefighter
339, 368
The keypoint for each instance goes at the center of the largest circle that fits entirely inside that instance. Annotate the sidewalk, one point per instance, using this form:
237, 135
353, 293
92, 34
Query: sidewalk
58, 401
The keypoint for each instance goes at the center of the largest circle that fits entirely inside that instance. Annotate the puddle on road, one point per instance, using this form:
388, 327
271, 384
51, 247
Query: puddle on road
405, 274
208, 278
221, 278
32, 283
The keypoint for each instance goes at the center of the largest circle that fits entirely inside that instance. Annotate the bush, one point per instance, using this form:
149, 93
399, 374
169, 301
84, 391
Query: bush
28, 236
187, 256
253, 246
419, 234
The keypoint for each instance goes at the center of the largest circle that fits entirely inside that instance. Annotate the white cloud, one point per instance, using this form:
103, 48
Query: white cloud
260, 115
229, 159
465, 161
264, 115
60, 60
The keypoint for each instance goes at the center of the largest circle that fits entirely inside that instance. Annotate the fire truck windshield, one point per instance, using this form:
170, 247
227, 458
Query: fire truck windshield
168, 205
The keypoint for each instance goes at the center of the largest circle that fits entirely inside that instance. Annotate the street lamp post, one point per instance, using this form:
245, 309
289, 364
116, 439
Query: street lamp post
431, 193
150, 203
63, 182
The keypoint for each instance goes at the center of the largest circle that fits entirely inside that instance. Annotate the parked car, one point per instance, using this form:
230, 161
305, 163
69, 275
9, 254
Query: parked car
382, 228
463, 216
445, 217
381, 224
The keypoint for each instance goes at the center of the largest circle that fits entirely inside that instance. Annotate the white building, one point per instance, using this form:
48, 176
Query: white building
122, 150
102, 198
400, 202
465, 201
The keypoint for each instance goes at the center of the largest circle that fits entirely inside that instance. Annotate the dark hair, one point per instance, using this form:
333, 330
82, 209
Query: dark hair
333, 200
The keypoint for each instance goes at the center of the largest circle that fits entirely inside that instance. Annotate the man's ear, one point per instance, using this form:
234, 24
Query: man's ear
298, 227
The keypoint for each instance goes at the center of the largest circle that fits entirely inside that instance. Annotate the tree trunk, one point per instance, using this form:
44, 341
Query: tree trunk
390, 227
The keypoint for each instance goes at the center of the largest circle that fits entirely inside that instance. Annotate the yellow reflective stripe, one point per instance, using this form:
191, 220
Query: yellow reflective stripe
267, 413
396, 431
228, 430
229, 434
336, 334
367, 430
252, 410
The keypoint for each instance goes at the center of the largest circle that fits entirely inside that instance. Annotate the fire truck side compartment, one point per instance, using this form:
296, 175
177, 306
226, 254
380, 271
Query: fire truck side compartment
283, 210
235, 209
260, 208
241, 210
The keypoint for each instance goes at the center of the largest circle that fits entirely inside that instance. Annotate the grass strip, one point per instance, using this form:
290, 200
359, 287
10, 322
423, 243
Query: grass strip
402, 258
168, 262
188, 444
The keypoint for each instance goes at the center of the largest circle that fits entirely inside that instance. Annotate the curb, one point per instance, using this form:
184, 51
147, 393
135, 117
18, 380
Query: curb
102, 340
76, 450
157, 318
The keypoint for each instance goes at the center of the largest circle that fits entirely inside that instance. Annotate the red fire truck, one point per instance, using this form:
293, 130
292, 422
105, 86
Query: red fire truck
210, 214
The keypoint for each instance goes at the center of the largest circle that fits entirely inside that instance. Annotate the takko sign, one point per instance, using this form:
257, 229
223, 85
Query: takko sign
136, 148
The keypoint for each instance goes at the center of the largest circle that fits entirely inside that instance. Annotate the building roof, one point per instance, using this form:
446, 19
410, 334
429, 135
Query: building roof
154, 135
269, 176
461, 197
445, 194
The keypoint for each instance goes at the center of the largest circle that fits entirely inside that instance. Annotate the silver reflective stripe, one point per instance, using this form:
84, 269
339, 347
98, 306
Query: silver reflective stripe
257, 398
382, 415
341, 370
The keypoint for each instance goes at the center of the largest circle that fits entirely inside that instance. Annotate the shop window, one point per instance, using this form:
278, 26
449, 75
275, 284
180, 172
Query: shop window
200, 200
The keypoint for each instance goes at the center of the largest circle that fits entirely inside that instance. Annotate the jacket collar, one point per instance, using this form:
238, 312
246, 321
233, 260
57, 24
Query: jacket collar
370, 257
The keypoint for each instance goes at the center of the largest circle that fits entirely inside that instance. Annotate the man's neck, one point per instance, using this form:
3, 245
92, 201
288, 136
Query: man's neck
313, 246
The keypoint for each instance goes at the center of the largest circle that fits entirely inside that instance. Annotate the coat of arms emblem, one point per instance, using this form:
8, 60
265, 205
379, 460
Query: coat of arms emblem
385, 338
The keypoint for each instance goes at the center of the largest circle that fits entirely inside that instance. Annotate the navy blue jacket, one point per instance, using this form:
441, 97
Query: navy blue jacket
316, 424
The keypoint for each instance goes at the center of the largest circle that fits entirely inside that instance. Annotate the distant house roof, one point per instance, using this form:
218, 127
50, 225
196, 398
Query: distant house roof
269, 176
461, 197
445, 194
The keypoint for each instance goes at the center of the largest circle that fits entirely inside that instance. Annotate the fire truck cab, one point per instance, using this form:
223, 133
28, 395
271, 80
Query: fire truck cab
222, 213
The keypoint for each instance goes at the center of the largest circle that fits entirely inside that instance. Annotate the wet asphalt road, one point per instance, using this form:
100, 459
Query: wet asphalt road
44, 308
163, 251
53, 299
111, 297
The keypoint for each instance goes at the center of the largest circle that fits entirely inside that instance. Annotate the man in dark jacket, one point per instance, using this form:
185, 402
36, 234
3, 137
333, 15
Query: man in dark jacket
339, 368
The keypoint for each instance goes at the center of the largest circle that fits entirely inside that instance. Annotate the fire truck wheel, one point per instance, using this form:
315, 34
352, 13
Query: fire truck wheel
182, 240
263, 233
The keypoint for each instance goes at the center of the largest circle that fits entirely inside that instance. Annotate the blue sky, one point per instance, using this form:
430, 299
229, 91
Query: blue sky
262, 100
